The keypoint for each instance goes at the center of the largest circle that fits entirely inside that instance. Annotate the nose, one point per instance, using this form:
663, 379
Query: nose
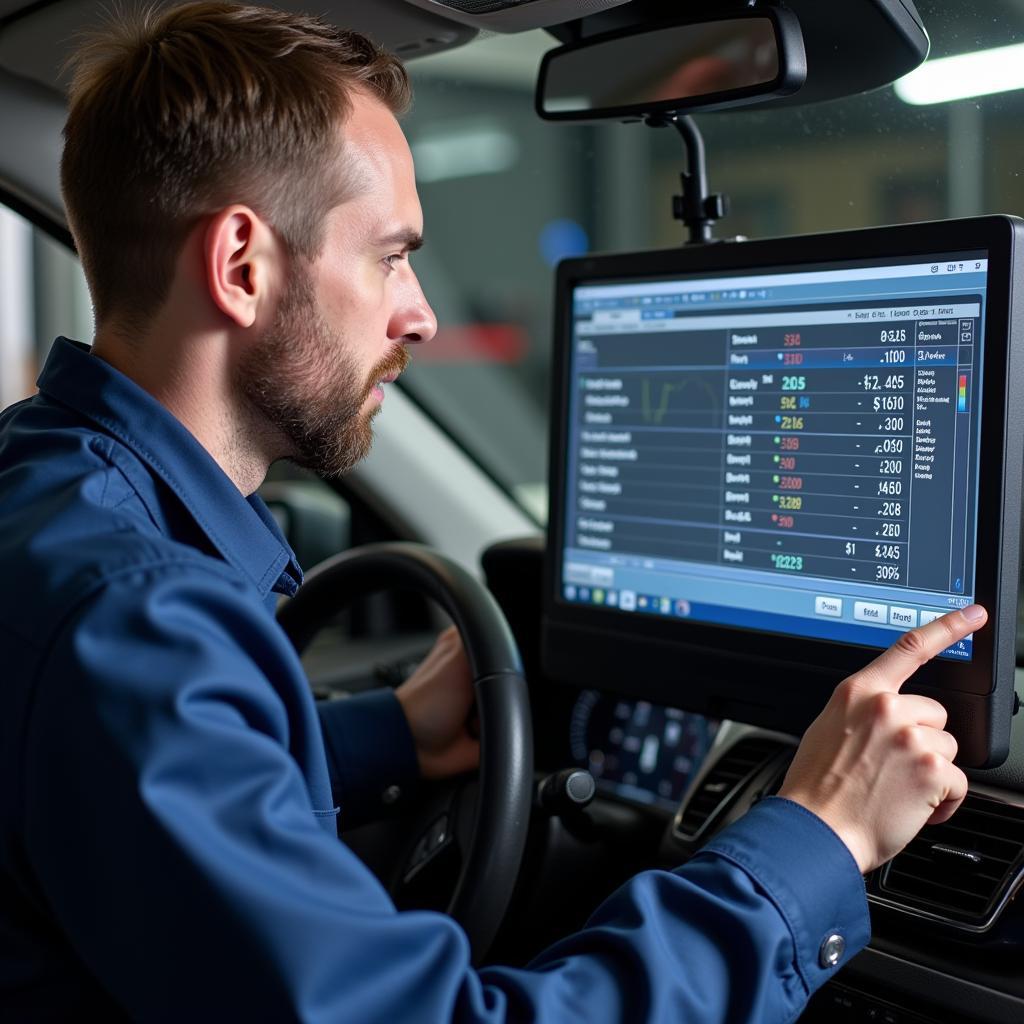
413, 321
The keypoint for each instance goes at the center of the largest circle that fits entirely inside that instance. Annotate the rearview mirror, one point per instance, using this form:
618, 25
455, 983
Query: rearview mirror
680, 67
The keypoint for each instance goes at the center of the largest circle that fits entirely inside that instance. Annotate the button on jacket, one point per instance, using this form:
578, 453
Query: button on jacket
168, 811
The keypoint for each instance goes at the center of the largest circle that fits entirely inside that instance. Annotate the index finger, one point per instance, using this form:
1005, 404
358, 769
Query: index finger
893, 667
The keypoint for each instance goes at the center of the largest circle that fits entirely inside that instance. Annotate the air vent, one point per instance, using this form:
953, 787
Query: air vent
723, 782
963, 871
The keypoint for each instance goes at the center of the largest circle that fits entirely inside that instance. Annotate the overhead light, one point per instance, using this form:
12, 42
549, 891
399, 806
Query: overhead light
964, 75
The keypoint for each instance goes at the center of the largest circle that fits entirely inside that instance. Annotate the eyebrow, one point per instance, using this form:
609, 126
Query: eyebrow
407, 238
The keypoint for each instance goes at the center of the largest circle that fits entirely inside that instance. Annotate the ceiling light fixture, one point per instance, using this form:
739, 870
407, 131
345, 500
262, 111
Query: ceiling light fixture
981, 73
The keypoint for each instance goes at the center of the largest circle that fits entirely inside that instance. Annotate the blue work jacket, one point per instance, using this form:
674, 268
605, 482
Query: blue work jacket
168, 846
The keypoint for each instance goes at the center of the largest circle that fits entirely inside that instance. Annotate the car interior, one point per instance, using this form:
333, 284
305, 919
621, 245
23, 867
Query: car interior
676, 462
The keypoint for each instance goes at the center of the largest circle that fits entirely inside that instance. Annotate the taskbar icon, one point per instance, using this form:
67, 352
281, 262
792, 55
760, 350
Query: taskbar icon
628, 600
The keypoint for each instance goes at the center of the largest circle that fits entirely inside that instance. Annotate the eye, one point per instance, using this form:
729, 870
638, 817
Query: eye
392, 261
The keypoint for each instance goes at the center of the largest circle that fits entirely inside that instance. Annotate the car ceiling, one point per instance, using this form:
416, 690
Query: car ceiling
36, 37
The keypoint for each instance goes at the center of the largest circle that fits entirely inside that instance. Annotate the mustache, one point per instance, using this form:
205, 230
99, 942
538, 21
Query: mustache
391, 365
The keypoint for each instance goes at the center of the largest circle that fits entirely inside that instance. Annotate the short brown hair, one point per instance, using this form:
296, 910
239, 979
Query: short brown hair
177, 113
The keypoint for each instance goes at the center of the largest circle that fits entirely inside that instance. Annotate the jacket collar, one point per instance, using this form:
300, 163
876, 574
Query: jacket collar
240, 528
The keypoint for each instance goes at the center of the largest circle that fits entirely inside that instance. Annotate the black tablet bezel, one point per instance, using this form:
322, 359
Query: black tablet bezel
782, 681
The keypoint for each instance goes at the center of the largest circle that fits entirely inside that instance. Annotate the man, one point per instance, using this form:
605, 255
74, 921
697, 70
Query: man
244, 206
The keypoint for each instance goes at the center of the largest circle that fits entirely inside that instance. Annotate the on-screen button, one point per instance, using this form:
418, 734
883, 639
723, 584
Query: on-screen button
866, 611
832, 606
906, 617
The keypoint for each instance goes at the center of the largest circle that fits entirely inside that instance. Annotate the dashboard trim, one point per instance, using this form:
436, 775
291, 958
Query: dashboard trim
910, 979
729, 734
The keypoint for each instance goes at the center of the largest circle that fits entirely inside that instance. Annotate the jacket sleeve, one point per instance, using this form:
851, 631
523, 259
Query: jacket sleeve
172, 836
370, 755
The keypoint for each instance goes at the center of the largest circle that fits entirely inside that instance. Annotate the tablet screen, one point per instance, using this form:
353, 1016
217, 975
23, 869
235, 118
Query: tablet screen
790, 451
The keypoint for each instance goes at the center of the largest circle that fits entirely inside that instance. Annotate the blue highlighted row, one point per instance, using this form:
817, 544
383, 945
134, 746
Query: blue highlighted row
850, 358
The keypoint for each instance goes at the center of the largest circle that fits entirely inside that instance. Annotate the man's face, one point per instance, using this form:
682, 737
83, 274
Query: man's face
318, 373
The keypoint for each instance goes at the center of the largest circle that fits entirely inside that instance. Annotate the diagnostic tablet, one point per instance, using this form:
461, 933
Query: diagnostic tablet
771, 458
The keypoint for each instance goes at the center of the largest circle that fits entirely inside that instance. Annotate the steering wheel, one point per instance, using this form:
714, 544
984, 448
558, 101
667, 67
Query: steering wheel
488, 874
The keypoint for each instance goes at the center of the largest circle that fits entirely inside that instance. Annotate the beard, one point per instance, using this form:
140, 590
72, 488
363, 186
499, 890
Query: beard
303, 380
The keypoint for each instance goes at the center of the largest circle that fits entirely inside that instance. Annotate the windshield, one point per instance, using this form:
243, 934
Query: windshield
505, 196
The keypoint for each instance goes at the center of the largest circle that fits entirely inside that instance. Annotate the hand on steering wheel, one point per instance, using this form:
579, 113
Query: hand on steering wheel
490, 869
437, 700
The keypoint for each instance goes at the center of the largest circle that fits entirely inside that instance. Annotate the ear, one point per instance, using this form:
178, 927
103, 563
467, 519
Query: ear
241, 254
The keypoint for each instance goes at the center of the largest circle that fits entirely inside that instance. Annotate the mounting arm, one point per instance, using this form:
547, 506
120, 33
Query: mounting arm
695, 207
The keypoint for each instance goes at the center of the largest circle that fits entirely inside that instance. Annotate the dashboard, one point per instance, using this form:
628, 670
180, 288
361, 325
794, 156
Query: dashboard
944, 911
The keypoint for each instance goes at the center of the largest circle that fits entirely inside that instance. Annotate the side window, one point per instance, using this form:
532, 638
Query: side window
42, 294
